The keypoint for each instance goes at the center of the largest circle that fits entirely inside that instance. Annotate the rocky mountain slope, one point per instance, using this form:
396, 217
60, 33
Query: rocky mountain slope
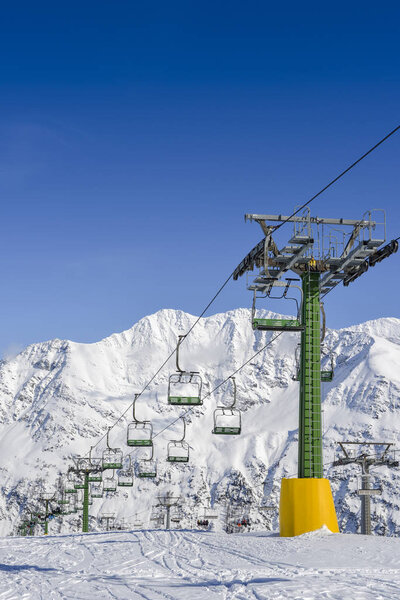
58, 397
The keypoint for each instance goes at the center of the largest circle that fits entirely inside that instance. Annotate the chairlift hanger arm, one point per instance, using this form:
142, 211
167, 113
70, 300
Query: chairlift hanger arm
108, 433
270, 245
133, 409
180, 340
152, 453
184, 429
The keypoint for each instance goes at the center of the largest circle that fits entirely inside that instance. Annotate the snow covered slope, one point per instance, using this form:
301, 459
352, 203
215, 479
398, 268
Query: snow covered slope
58, 398
187, 565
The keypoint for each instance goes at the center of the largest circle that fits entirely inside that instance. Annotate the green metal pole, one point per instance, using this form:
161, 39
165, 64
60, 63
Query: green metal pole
310, 430
85, 514
46, 514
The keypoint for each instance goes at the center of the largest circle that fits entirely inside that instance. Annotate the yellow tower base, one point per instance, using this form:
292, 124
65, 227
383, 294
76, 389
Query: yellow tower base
306, 505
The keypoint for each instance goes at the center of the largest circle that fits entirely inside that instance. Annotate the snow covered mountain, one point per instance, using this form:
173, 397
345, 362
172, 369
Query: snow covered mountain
58, 398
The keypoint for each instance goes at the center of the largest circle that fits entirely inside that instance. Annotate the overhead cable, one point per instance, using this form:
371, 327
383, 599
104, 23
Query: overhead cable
386, 137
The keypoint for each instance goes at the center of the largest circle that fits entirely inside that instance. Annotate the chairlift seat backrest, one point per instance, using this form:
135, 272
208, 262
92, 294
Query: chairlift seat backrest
291, 324
95, 476
184, 389
112, 458
277, 325
110, 484
140, 434
125, 478
178, 451
227, 421
326, 376
147, 469
97, 494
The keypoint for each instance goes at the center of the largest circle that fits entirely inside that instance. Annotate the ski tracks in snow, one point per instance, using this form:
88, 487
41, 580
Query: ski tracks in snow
186, 565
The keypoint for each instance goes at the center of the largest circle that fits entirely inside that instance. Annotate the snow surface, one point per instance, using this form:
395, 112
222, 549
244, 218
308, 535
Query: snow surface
186, 565
58, 397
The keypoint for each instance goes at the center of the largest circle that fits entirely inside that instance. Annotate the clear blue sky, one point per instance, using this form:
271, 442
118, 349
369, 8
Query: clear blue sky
135, 135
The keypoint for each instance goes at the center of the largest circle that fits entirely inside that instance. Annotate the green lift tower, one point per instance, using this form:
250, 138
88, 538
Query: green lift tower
321, 252
87, 470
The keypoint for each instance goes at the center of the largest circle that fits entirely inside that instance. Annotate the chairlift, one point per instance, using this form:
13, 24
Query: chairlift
203, 523
292, 324
62, 497
112, 457
184, 387
137, 523
79, 484
140, 433
158, 520
110, 483
178, 450
147, 467
175, 519
70, 483
96, 490
326, 374
176, 516
95, 474
125, 476
79, 502
73, 504
228, 419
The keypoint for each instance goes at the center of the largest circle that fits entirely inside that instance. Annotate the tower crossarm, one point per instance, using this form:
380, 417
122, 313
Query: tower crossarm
309, 219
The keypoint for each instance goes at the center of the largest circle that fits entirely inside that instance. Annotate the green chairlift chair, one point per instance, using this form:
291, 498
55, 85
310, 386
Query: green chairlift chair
184, 387
147, 467
178, 450
228, 419
125, 476
112, 457
140, 433
292, 324
110, 483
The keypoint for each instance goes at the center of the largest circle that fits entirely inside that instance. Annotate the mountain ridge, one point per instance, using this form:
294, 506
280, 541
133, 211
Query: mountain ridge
59, 396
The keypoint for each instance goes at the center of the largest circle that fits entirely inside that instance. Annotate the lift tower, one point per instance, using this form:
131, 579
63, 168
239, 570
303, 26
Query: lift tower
322, 252
365, 459
46, 498
167, 501
87, 470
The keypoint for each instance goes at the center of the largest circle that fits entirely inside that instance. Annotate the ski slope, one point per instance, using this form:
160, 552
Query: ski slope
186, 565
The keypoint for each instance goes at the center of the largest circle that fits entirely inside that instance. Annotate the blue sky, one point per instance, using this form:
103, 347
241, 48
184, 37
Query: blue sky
134, 137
